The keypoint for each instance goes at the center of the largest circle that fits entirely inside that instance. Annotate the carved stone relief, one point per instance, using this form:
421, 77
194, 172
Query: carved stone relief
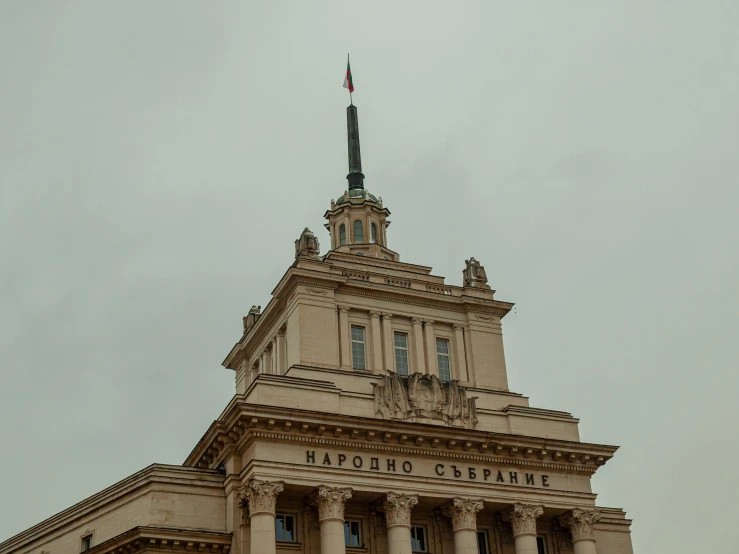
420, 396
522, 518
580, 523
397, 508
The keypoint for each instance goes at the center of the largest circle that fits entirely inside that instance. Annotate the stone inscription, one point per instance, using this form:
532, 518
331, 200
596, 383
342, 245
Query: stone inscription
442, 469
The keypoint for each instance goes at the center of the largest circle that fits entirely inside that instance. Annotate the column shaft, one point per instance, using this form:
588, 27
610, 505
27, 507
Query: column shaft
525, 544
348, 228
280, 353
465, 542
470, 356
332, 537
388, 341
376, 342
459, 347
431, 365
418, 340
346, 353
263, 534
585, 547
399, 540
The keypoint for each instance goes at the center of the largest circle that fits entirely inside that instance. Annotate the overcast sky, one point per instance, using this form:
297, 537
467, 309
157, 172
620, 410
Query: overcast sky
158, 159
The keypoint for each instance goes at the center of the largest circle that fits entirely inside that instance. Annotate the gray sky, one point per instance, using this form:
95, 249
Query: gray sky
158, 159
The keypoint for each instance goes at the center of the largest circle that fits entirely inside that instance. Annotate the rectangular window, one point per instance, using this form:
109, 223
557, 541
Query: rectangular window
359, 361
401, 353
483, 544
541, 545
418, 539
442, 358
86, 543
285, 528
353, 533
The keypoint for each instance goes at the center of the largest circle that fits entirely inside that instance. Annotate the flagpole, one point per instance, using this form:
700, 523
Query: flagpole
351, 102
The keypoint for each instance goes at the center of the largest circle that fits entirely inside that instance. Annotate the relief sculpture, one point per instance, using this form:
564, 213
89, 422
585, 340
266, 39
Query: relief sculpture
424, 397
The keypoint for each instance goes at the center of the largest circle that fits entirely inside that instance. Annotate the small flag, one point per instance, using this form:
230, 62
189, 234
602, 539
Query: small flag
348, 78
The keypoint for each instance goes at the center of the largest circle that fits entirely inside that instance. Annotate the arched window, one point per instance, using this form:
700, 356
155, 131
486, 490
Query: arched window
342, 234
373, 234
358, 231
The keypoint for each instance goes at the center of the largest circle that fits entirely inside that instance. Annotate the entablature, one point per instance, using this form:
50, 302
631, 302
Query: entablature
244, 422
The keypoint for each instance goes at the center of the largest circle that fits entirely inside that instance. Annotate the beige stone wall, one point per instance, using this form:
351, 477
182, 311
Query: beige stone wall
163, 496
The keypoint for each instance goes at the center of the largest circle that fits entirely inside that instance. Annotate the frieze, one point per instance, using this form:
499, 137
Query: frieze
421, 396
400, 466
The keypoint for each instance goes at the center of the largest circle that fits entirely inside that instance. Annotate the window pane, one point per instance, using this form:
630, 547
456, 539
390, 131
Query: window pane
342, 234
442, 359
418, 539
358, 357
541, 545
358, 231
401, 353
285, 528
352, 535
374, 233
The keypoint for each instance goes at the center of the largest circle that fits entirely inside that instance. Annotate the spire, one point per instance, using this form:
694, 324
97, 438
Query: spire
355, 176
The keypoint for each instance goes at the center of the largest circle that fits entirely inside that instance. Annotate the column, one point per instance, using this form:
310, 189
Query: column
397, 509
331, 518
463, 514
388, 341
347, 227
376, 342
384, 234
470, 356
261, 497
346, 352
418, 340
267, 357
522, 518
431, 365
580, 523
368, 226
459, 347
280, 353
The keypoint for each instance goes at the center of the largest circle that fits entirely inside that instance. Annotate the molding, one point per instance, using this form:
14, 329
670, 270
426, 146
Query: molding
154, 539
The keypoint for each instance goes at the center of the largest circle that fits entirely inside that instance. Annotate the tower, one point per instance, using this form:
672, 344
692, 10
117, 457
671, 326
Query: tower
373, 415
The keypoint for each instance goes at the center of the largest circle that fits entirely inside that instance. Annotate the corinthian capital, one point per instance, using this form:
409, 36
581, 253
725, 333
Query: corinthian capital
261, 496
580, 523
397, 509
522, 518
463, 513
331, 502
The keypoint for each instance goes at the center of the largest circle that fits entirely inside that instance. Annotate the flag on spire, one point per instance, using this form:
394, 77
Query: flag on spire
348, 77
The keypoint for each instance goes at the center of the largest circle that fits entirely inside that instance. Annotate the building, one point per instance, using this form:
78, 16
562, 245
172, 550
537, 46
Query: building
372, 415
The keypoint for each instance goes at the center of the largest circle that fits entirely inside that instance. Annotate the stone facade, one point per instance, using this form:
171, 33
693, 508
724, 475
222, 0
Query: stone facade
372, 414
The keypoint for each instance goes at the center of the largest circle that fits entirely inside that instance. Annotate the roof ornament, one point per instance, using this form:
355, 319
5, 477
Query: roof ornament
474, 275
355, 176
251, 318
307, 245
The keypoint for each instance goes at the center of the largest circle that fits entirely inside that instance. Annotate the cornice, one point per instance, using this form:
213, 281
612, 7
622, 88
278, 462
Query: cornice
155, 539
244, 421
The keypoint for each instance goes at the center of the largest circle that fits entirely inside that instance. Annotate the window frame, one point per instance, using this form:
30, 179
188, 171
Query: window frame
87, 535
294, 517
448, 355
486, 539
544, 543
361, 231
425, 538
342, 234
360, 527
407, 352
363, 342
